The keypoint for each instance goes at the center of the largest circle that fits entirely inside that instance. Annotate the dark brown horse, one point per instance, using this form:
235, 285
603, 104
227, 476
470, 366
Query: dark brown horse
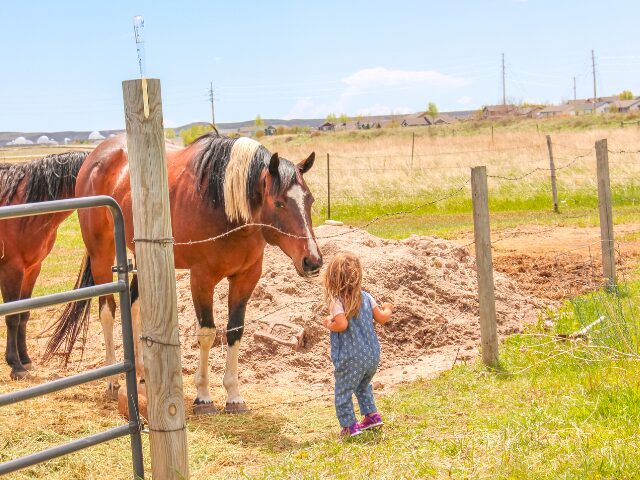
215, 185
25, 242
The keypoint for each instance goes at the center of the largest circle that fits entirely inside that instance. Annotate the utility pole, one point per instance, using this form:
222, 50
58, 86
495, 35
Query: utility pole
504, 88
574, 89
213, 114
593, 65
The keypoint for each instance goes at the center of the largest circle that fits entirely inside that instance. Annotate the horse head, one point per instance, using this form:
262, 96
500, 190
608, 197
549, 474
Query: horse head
286, 207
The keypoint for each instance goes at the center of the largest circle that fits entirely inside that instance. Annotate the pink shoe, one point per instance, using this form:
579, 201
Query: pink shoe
371, 420
351, 431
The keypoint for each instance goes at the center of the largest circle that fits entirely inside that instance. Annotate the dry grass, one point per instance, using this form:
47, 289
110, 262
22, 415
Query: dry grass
377, 163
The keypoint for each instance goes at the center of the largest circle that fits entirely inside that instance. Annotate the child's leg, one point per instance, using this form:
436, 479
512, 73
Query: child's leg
346, 382
364, 394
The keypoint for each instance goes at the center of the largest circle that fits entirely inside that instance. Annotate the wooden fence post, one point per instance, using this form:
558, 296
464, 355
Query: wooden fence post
156, 278
328, 189
552, 167
606, 214
484, 266
413, 142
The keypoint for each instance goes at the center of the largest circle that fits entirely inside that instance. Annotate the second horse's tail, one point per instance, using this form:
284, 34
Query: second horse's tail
74, 320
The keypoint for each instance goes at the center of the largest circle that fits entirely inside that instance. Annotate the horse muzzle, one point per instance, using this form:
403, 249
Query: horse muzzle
311, 266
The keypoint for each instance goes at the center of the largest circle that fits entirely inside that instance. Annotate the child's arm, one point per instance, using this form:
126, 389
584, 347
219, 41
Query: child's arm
338, 323
383, 314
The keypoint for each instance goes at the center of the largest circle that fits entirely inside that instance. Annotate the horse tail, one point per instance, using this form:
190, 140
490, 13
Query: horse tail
74, 320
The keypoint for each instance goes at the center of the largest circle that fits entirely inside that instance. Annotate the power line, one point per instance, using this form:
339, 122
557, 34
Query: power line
504, 88
593, 65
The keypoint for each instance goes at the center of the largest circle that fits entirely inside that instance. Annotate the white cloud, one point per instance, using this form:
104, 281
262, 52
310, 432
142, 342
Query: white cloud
382, 77
465, 100
372, 84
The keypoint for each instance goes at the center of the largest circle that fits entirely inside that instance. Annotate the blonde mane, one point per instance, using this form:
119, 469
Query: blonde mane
236, 201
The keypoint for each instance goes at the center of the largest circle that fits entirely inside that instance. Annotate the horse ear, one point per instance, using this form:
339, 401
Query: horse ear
305, 165
273, 164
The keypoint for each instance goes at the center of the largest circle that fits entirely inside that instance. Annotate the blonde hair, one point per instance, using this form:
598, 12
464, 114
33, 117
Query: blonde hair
343, 281
236, 203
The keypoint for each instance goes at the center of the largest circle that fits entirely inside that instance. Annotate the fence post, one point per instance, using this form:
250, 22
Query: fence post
484, 266
413, 141
328, 189
552, 167
156, 278
606, 214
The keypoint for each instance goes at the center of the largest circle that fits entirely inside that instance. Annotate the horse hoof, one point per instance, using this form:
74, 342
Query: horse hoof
28, 366
233, 407
112, 392
205, 409
19, 374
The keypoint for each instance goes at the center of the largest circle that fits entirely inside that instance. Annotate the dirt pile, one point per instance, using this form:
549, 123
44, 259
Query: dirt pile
431, 282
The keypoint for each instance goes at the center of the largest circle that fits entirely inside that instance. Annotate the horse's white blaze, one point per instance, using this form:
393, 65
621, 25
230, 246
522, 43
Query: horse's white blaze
230, 380
106, 320
236, 201
135, 320
206, 336
297, 194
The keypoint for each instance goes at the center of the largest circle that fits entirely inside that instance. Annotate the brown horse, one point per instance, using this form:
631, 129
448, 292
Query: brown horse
25, 242
216, 185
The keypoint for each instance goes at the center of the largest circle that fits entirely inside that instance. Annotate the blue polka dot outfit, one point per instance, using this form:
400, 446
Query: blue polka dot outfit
355, 354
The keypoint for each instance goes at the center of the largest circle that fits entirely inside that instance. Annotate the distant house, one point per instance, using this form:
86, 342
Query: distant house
270, 130
588, 108
96, 136
246, 131
564, 110
495, 112
415, 122
624, 106
528, 112
327, 127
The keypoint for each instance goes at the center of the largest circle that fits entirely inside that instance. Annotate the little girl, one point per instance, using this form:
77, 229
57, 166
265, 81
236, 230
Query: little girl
355, 350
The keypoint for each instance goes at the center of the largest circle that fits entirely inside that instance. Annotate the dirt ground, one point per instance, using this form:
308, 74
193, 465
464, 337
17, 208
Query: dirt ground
431, 281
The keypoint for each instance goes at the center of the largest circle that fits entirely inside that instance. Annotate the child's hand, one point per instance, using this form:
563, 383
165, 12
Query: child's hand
327, 321
388, 306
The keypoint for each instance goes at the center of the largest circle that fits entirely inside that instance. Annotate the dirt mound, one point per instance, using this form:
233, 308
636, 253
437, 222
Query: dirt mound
431, 282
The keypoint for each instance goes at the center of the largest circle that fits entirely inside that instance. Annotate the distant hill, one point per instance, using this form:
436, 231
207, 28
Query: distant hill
222, 127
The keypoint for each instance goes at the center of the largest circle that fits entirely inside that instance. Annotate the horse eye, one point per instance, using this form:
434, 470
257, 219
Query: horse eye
279, 205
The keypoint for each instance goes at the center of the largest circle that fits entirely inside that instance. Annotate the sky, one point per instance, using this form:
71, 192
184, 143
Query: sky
62, 63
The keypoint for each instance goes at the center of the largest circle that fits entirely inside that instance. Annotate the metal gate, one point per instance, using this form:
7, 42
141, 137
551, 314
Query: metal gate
121, 287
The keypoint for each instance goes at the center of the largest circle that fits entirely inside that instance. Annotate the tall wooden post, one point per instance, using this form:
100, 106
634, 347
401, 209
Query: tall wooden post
552, 167
156, 278
606, 214
413, 142
328, 189
484, 266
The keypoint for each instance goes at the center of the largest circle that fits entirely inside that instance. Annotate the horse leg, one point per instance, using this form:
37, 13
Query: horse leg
202, 293
10, 287
137, 328
107, 309
240, 288
28, 283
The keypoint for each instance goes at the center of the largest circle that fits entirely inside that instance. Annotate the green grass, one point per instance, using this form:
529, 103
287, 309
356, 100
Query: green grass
553, 410
448, 213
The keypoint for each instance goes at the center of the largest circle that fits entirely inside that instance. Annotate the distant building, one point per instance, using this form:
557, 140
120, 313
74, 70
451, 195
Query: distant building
327, 127
495, 112
415, 122
588, 108
624, 106
95, 136
565, 110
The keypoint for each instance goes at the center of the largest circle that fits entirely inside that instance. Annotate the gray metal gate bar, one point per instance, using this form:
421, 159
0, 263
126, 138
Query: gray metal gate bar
20, 306
121, 286
62, 383
60, 450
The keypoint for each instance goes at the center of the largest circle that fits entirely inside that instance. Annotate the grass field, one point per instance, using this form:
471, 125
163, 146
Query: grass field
555, 409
